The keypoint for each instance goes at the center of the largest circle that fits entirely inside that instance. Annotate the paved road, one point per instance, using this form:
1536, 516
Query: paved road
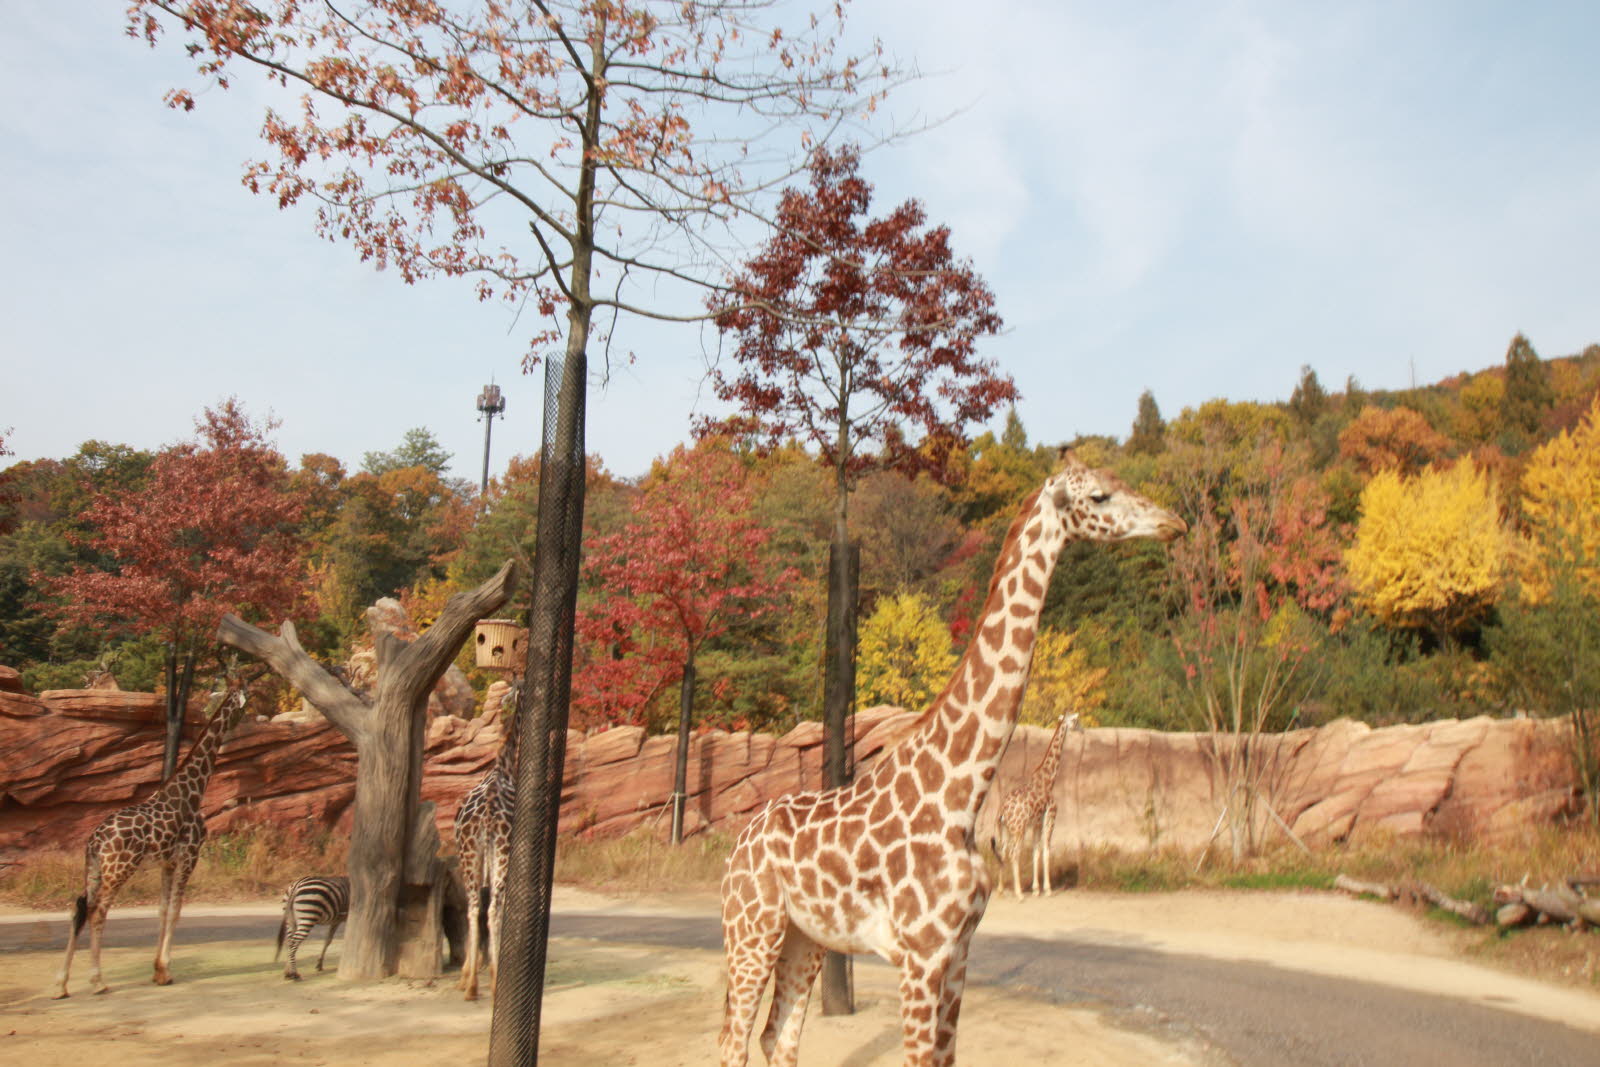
1252, 1013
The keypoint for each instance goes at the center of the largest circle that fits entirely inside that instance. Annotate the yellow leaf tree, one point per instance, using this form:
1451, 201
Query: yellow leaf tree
1430, 552
905, 654
1561, 503
1061, 681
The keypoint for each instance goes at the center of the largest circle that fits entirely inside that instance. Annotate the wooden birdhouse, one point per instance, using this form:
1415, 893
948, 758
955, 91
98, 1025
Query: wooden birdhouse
501, 645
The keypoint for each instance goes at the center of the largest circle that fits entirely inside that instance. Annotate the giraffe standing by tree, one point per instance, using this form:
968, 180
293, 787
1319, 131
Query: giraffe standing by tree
889, 863
1033, 809
483, 841
168, 827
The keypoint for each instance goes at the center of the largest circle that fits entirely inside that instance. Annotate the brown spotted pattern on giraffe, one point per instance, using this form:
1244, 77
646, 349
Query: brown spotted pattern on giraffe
913, 872
168, 826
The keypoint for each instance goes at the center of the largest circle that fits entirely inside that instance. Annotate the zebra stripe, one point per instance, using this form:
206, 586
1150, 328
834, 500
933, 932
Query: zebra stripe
311, 901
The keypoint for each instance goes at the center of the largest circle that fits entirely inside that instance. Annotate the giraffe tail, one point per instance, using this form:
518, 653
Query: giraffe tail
80, 914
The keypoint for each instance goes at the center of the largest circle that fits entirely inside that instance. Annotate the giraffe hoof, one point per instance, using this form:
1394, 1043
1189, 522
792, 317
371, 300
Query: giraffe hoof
63, 995
101, 991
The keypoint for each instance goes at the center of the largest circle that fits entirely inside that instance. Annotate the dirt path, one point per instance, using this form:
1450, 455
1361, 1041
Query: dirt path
626, 1003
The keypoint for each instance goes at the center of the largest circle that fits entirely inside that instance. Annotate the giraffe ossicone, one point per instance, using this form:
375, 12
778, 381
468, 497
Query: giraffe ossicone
889, 863
168, 827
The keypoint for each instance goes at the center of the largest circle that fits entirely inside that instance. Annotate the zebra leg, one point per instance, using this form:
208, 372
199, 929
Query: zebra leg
333, 928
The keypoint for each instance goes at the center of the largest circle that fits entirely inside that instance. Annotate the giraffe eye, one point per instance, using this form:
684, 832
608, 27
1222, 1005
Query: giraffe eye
1099, 498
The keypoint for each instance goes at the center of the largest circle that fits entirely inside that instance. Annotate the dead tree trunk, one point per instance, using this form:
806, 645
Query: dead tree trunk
396, 880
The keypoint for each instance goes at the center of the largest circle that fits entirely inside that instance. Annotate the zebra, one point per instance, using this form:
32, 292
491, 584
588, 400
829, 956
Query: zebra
312, 900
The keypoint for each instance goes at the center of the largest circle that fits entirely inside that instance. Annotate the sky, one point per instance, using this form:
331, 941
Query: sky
1195, 199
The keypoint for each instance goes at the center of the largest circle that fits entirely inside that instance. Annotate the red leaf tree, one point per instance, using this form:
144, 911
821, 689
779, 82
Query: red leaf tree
856, 335
571, 154
685, 569
213, 531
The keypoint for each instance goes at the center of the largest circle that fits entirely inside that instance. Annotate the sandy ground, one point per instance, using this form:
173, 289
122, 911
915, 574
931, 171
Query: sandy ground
624, 1004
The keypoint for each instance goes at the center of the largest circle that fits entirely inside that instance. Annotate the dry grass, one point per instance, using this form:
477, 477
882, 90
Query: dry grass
257, 864
246, 865
1469, 871
641, 862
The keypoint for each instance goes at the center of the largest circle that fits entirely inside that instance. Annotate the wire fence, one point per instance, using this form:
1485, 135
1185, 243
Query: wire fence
542, 719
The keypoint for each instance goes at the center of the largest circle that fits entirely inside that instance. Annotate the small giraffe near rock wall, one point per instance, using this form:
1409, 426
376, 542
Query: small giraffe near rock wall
1032, 809
889, 863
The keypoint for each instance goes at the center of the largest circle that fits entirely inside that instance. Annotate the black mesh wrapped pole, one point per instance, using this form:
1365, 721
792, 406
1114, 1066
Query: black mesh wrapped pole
542, 720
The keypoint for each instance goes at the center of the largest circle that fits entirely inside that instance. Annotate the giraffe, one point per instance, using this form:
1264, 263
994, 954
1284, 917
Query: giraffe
166, 826
483, 842
888, 863
1033, 808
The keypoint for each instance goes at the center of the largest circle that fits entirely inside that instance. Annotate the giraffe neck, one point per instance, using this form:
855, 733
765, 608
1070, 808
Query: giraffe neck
505, 764
1052, 756
971, 721
187, 785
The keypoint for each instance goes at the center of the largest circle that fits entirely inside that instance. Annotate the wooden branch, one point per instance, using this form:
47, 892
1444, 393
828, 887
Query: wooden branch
431, 653
1469, 911
291, 662
1364, 889
1548, 904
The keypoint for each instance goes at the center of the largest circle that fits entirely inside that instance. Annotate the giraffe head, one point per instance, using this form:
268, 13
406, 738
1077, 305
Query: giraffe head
1095, 505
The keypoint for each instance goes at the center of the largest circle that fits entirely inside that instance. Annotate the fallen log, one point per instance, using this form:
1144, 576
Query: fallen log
1549, 904
1364, 889
1473, 913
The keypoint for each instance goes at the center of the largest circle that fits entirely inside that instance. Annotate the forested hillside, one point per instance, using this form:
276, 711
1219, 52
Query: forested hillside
1391, 556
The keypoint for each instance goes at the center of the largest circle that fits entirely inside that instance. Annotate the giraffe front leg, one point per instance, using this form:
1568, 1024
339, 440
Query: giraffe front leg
793, 977
1015, 851
469, 965
174, 881
1047, 829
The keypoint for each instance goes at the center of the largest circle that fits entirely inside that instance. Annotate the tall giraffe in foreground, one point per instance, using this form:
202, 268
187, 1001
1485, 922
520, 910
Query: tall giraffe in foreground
168, 827
888, 864
483, 841
1033, 809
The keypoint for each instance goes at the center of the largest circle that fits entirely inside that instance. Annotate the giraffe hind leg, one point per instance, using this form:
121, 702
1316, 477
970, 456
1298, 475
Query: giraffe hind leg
174, 880
793, 977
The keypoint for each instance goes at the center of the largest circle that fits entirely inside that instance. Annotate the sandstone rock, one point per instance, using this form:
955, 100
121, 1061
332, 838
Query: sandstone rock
106, 705
62, 771
11, 680
21, 706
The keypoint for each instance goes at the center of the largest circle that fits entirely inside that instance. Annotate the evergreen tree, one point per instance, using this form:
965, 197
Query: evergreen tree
1527, 397
1309, 400
1149, 431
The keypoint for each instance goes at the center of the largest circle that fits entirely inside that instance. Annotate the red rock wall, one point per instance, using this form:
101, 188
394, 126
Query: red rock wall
68, 759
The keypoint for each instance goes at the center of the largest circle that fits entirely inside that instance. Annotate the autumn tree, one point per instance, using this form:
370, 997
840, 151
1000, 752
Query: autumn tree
1546, 642
573, 156
1243, 643
1061, 681
1561, 506
1397, 439
856, 336
685, 570
1429, 552
904, 527
906, 655
213, 530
